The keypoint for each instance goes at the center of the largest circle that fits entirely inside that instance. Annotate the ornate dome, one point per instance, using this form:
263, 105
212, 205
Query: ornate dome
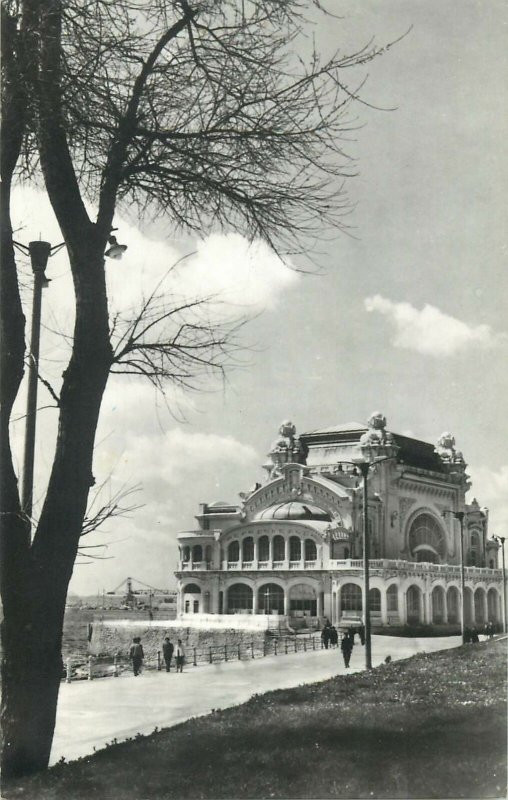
294, 510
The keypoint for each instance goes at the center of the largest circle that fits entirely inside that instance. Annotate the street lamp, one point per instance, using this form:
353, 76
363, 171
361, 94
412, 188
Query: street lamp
39, 253
460, 516
501, 540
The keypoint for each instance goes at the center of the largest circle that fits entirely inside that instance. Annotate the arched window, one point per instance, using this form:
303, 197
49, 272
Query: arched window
375, 601
452, 604
493, 605
239, 599
438, 605
271, 599
479, 606
186, 553
279, 548
426, 539
263, 548
192, 588
468, 606
351, 597
392, 598
475, 550
234, 551
248, 549
295, 548
413, 604
310, 550
491, 563
197, 553
302, 601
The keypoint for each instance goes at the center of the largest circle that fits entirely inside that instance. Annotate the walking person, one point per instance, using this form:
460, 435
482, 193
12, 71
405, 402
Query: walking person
180, 656
325, 634
167, 653
346, 646
136, 655
334, 636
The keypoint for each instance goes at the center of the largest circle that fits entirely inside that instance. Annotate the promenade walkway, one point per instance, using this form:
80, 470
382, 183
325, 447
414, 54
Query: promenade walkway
93, 713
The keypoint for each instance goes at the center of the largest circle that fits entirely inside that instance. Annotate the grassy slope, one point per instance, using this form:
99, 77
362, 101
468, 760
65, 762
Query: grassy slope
430, 726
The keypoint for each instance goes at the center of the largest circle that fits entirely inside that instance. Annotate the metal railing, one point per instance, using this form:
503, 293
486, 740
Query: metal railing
113, 666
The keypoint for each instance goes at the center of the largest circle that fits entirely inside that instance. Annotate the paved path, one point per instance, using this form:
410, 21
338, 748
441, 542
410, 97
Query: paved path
93, 713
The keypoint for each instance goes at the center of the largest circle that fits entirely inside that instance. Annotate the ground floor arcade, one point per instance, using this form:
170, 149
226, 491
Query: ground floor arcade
413, 596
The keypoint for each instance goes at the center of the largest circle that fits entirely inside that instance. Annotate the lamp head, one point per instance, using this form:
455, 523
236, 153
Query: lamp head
116, 250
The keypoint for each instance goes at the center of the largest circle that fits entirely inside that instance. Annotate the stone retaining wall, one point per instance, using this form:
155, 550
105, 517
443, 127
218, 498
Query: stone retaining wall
114, 637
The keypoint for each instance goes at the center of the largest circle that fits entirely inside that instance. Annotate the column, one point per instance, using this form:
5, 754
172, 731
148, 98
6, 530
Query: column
286, 552
256, 554
339, 607
270, 551
402, 603
255, 599
215, 597
384, 607
334, 608
320, 610
445, 606
286, 601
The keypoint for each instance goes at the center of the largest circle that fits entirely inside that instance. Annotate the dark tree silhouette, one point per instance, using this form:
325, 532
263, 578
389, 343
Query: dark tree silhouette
198, 111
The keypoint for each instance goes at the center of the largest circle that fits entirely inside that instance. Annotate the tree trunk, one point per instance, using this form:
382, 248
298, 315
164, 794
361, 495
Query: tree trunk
32, 629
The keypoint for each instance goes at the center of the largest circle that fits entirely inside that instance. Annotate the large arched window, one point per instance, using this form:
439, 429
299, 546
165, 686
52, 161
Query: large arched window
279, 548
479, 606
392, 599
295, 548
271, 599
234, 551
438, 605
452, 604
186, 553
426, 539
248, 549
375, 601
413, 604
302, 601
493, 605
468, 606
192, 588
263, 548
239, 599
310, 550
351, 597
197, 553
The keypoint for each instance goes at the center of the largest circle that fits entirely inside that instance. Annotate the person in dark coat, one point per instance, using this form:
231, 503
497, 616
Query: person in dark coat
361, 633
325, 635
334, 636
346, 646
351, 633
167, 652
136, 655
474, 636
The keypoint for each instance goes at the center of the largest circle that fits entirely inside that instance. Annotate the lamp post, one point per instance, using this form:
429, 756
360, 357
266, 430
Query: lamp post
501, 540
460, 516
39, 253
364, 469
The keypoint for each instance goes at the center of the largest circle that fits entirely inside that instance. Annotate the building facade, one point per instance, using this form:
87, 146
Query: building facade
292, 549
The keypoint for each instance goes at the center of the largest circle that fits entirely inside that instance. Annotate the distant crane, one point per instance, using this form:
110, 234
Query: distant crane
131, 593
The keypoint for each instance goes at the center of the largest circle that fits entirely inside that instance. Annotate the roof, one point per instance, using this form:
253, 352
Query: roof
293, 511
345, 427
413, 452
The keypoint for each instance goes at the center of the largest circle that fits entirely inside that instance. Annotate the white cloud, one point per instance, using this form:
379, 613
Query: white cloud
490, 487
430, 331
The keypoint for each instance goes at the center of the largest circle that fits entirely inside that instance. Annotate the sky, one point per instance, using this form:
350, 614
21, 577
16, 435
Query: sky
406, 315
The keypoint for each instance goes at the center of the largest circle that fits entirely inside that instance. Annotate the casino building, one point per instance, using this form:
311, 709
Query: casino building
292, 548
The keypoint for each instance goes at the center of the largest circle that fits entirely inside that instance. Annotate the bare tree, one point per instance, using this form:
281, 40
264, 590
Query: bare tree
196, 110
